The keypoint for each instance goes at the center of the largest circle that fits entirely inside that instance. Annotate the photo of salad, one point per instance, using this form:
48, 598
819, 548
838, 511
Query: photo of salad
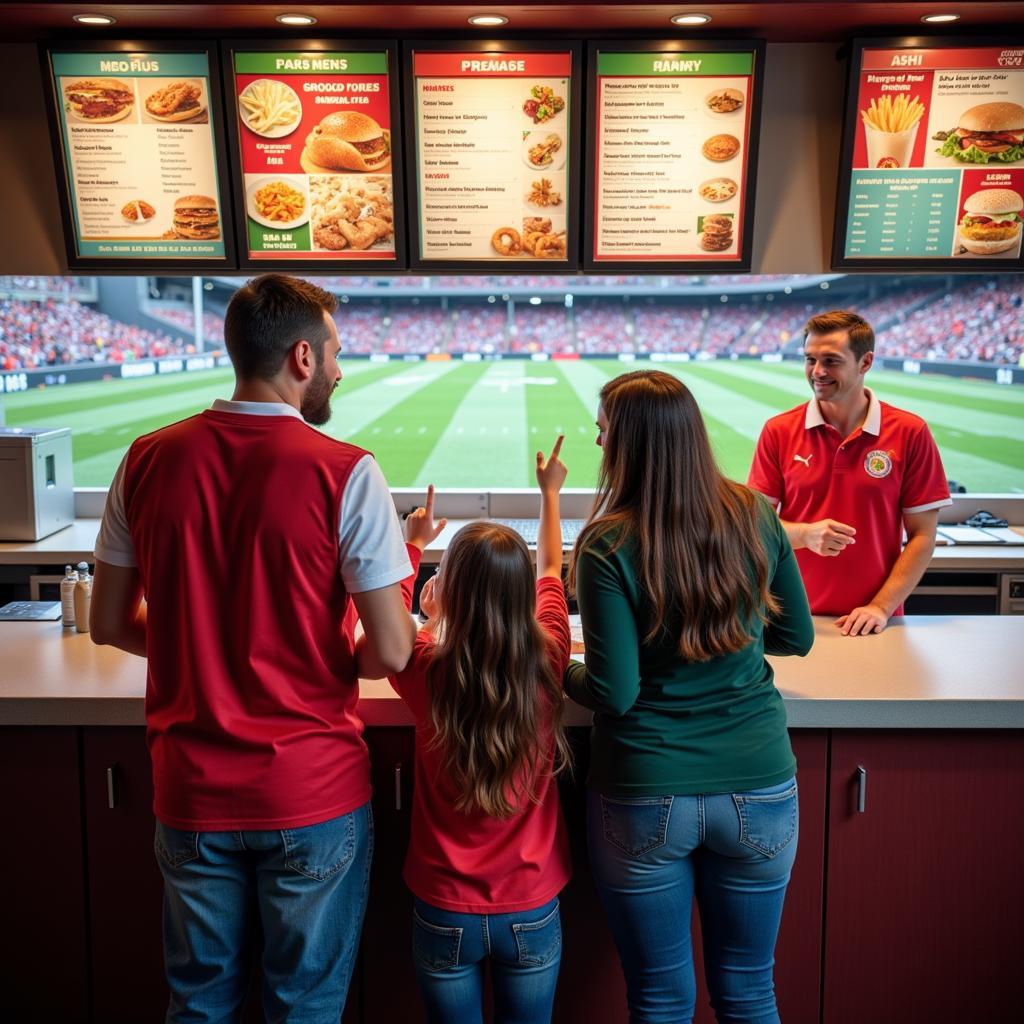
543, 104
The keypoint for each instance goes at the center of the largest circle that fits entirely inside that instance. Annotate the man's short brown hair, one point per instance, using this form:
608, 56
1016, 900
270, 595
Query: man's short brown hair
267, 316
859, 331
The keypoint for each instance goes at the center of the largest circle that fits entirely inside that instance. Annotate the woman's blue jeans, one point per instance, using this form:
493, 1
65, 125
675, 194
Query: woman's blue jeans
525, 951
307, 889
734, 851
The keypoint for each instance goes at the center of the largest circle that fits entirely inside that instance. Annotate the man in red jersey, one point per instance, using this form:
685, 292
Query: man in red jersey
256, 541
848, 474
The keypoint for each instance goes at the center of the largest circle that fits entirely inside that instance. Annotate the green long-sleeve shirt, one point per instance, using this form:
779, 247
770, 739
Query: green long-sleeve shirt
663, 725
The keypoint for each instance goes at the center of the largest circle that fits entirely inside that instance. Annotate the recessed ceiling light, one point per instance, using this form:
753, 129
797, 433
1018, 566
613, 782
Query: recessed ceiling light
295, 19
938, 19
488, 20
94, 19
690, 19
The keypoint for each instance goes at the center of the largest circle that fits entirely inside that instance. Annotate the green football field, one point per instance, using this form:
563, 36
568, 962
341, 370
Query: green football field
462, 424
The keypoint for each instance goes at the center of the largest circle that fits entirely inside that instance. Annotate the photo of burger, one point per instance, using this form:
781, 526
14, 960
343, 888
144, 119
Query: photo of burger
176, 101
991, 222
989, 131
98, 100
195, 217
716, 232
347, 141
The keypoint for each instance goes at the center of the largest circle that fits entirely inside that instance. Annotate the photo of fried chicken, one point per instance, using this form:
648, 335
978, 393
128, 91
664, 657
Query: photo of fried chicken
350, 212
176, 101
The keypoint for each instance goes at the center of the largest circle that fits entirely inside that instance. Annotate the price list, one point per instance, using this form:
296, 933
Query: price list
902, 214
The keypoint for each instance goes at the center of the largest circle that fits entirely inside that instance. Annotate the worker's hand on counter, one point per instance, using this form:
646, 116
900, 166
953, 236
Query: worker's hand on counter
420, 528
869, 618
827, 537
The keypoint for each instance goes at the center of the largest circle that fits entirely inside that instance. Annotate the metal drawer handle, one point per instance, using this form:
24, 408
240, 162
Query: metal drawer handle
111, 791
862, 789
398, 786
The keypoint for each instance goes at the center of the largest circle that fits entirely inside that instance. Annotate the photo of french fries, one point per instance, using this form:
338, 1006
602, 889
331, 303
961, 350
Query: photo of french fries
890, 130
270, 108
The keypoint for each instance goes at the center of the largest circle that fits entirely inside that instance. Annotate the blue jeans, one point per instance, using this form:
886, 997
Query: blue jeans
735, 851
525, 950
306, 888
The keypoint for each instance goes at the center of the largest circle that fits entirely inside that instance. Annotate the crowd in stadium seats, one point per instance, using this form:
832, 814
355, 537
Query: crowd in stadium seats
52, 333
978, 320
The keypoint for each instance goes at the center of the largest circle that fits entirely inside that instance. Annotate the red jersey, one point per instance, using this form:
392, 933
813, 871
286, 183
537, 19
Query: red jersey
251, 684
470, 862
888, 467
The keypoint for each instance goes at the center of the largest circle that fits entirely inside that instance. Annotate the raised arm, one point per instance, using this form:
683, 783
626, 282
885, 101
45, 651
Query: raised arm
551, 475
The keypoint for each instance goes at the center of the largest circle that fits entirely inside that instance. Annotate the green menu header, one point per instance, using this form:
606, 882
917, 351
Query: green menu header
639, 65
311, 63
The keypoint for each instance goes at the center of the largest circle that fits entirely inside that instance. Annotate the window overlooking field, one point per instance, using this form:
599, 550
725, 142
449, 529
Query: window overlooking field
459, 380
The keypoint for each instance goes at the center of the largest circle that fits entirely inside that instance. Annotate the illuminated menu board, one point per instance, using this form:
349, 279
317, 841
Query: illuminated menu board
673, 144
933, 157
318, 158
496, 137
137, 155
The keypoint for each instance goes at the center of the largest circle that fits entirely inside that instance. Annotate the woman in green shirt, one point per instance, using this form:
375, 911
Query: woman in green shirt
685, 579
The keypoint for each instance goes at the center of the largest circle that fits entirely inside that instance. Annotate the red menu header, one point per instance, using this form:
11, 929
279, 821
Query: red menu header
976, 58
491, 65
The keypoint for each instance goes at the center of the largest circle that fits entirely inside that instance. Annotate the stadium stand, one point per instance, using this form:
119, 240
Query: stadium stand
971, 319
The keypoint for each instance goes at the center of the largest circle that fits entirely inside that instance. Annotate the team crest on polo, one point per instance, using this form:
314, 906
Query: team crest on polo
878, 463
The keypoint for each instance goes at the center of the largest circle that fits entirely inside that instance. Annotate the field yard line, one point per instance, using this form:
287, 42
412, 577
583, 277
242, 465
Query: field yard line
716, 401
375, 400
462, 457
586, 380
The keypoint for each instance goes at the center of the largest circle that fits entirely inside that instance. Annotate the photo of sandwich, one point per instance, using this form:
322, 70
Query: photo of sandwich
137, 211
195, 217
716, 232
176, 101
991, 222
987, 132
347, 141
724, 101
98, 100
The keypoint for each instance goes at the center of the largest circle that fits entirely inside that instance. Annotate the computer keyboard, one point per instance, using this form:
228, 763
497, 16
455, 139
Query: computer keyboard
527, 529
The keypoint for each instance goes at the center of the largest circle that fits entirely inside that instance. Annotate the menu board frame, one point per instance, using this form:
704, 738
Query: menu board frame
321, 44
742, 264
851, 122
133, 265
574, 47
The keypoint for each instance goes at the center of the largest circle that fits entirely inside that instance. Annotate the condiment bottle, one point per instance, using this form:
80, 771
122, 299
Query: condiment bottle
83, 597
67, 596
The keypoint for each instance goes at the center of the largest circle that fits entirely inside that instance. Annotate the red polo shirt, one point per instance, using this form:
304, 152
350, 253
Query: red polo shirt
886, 468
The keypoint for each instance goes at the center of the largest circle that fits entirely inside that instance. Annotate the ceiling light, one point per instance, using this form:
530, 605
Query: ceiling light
690, 19
939, 19
94, 19
488, 20
296, 19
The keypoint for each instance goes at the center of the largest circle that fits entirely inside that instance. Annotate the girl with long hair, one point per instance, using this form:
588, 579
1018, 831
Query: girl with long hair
489, 853
685, 579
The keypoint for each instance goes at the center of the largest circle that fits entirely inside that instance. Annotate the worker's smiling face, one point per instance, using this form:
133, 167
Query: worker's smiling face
316, 401
832, 369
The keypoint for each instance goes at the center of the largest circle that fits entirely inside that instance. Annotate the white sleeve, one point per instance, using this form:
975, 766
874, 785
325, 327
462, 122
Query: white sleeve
370, 542
114, 542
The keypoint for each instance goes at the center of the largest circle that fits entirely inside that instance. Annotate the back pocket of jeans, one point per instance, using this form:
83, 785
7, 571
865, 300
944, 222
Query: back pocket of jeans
435, 947
322, 850
540, 941
636, 826
175, 847
767, 821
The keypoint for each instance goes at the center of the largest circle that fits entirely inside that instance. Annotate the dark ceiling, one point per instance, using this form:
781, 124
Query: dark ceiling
776, 21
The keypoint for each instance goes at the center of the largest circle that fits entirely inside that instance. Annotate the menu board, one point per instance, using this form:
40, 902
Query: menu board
496, 139
138, 156
933, 157
673, 154
313, 134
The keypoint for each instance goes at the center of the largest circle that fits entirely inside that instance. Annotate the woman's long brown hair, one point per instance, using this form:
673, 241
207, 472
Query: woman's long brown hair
495, 704
702, 562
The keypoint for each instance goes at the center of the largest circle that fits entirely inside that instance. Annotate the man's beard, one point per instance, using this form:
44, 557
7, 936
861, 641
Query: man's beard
316, 402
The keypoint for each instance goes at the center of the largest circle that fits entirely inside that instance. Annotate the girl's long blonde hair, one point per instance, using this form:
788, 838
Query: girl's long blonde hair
702, 562
495, 704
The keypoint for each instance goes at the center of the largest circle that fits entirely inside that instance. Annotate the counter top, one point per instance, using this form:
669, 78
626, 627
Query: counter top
75, 543
922, 672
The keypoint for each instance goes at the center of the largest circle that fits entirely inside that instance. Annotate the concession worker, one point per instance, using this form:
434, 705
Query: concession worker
848, 474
